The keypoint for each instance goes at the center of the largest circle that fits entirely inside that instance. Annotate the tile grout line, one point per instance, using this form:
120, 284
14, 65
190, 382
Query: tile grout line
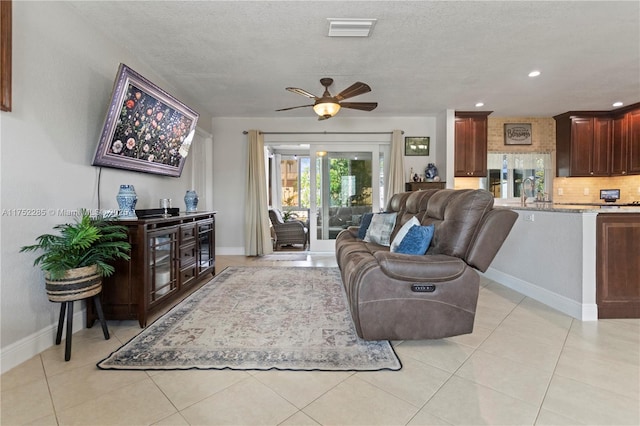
46, 377
475, 349
553, 373
463, 362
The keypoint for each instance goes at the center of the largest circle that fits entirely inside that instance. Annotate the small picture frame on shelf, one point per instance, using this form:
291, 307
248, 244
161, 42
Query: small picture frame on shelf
416, 145
517, 134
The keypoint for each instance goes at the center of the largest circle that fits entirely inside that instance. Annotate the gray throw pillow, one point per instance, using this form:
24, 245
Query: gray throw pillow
381, 227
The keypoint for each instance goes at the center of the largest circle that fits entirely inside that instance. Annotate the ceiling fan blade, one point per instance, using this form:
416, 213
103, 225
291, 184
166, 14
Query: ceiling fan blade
302, 92
364, 106
357, 88
301, 106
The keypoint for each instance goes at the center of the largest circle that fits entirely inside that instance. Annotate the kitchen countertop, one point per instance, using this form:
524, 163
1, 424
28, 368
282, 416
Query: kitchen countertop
568, 208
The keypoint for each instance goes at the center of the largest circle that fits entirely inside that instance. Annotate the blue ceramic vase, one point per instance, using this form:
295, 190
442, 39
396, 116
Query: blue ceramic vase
127, 200
191, 201
431, 171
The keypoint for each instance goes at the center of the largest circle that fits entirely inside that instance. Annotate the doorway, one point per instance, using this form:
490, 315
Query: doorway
327, 186
343, 188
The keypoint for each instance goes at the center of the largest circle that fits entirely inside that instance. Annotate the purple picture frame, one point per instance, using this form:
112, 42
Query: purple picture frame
146, 129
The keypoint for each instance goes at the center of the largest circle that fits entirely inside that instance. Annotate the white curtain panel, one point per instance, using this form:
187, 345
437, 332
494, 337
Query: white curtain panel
257, 236
395, 180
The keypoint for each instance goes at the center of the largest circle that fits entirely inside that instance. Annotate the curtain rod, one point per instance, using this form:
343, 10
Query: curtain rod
323, 133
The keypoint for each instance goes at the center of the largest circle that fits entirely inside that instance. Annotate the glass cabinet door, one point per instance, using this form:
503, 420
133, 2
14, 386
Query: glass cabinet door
161, 268
206, 238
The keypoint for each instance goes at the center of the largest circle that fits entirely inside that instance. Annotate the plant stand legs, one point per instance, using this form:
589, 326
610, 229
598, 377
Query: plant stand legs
98, 305
63, 309
67, 308
67, 343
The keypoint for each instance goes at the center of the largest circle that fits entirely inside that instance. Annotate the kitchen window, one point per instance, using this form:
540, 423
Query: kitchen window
512, 173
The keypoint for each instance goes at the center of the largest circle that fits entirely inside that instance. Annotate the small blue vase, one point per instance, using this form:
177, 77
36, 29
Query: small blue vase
191, 200
127, 200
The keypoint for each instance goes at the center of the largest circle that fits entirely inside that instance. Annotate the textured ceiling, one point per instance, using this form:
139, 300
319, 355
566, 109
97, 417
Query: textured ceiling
236, 58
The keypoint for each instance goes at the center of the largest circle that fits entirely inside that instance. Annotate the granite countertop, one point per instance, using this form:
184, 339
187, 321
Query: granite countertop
568, 208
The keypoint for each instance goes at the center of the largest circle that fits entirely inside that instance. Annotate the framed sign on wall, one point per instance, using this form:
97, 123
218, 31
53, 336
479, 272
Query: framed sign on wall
517, 134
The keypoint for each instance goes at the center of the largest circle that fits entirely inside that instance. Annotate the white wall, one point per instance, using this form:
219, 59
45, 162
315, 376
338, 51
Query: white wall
229, 157
63, 74
445, 158
551, 259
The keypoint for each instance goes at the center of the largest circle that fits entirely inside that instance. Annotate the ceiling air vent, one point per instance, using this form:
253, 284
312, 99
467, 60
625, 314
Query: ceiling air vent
346, 27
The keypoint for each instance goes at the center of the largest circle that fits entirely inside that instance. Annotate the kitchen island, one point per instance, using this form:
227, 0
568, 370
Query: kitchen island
579, 259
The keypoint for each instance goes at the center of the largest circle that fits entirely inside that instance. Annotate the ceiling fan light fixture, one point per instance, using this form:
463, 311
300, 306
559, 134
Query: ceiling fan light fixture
326, 108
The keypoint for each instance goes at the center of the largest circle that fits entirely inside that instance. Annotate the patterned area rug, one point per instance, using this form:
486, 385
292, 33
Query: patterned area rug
258, 318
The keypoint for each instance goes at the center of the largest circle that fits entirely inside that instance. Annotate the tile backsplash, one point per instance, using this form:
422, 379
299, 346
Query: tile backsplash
587, 189
574, 189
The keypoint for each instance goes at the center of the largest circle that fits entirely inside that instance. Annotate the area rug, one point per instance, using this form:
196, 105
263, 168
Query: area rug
280, 257
258, 318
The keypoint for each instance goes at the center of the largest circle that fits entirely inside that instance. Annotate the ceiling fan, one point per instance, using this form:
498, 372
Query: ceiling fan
327, 106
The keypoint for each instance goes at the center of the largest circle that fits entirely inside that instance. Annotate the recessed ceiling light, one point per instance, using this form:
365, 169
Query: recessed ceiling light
479, 104
534, 73
617, 104
346, 27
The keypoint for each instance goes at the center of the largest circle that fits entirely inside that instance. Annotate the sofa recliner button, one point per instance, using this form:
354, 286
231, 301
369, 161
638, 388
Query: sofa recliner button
423, 288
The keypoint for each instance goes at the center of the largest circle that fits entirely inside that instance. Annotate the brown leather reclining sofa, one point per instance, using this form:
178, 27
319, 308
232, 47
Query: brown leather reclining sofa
395, 296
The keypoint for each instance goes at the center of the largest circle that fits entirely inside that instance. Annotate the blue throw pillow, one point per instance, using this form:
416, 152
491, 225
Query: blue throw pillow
364, 225
417, 240
403, 232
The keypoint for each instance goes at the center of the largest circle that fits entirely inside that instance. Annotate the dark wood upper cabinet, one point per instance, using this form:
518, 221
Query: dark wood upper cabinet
581, 146
619, 144
601, 149
470, 157
598, 143
633, 153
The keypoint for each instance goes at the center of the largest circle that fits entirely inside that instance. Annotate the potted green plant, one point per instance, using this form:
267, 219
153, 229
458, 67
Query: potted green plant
75, 260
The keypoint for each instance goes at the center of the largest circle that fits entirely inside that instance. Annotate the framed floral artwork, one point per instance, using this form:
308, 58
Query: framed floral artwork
146, 129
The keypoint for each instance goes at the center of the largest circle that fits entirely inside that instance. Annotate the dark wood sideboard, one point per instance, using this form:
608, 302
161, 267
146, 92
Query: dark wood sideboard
416, 186
170, 257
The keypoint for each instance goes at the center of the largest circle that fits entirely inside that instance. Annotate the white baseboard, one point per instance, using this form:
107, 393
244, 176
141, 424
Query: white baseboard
239, 251
230, 251
573, 308
25, 349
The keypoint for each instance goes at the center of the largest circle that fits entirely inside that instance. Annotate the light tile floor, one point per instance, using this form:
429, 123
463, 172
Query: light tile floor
524, 364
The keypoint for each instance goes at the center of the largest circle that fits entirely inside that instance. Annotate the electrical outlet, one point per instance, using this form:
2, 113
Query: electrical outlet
639, 190
561, 191
586, 191
528, 217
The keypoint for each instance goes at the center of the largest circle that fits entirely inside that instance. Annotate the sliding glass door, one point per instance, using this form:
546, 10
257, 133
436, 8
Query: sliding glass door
344, 184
